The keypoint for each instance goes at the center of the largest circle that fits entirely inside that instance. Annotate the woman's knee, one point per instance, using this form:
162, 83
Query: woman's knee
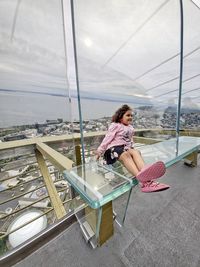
124, 156
138, 152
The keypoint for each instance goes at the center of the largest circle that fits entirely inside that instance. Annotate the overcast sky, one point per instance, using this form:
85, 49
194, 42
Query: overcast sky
127, 49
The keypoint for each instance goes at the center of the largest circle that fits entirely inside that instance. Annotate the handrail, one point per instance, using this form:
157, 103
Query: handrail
56, 139
21, 165
21, 195
17, 175
20, 184
27, 172
29, 205
56, 158
23, 183
24, 224
49, 154
55, 199
19, 253
25, 156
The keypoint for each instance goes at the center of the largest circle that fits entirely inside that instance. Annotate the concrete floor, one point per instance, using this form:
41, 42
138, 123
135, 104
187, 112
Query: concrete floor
161, 229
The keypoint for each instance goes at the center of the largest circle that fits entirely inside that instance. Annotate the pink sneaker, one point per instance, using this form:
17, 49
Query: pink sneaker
151, 172
152, 186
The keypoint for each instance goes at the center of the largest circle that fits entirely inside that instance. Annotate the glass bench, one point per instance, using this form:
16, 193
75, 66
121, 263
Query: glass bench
99, 185
172, 151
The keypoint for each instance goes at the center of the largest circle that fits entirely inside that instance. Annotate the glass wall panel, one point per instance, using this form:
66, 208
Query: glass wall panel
32, 69
190, 112
128, 52
34, 102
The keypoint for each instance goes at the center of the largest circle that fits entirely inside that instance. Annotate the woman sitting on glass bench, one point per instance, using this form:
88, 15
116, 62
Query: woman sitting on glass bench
118, 145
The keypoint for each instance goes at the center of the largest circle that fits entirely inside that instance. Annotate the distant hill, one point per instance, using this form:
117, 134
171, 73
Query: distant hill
146, 107
186, 110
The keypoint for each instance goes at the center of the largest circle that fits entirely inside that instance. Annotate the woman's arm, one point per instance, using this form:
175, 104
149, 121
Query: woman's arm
108, 138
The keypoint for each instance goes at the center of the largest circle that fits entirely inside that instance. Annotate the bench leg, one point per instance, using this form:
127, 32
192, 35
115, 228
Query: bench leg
191, 159
101, 222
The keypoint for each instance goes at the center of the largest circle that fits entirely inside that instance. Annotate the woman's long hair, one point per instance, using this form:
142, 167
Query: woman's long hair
120, 113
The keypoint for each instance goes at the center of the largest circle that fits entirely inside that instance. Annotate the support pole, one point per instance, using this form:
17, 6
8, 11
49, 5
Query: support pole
181, 72
77, 80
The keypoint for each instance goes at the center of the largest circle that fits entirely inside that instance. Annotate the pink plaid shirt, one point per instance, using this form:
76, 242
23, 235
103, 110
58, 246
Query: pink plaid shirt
118, 134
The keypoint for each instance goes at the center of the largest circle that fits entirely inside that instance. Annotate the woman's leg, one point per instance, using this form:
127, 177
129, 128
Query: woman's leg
146, 172
146, 185
137, 158
128, 163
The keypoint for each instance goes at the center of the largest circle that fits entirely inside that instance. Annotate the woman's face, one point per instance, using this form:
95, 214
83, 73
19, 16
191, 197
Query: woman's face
127, 117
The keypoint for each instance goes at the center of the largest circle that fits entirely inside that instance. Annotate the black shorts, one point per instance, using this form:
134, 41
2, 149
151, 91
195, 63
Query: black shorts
112, 154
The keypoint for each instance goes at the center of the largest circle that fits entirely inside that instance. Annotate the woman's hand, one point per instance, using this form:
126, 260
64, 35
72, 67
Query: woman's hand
98, 155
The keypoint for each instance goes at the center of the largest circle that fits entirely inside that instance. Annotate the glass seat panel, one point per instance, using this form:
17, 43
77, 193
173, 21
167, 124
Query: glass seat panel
170, 151
98, 184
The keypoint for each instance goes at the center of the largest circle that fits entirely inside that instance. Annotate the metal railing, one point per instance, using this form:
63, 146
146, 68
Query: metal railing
31, 178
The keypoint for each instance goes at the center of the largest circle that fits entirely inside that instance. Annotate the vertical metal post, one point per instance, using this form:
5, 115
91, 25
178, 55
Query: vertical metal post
99, 217
181, 72
78, 155
129, 195
68, 33
77, 79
